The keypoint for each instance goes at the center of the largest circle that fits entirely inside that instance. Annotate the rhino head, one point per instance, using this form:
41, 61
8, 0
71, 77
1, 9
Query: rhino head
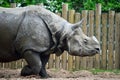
80, 44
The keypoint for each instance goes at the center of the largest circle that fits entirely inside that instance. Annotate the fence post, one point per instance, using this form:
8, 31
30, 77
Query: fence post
77, 58
1, 65
83, 64
90, 33
51, 61
13, 5
111, 39
104, 41
97, 33
71, 20
65, 16
65, 11
117, 40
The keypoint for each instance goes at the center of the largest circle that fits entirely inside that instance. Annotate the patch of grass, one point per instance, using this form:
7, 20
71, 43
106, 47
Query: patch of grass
96, 71
116, 71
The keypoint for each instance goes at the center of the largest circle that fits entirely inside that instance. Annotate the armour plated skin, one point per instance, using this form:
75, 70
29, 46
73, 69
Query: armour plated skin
33, 33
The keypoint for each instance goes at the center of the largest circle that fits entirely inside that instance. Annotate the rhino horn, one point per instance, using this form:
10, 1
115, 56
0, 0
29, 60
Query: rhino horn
77, 25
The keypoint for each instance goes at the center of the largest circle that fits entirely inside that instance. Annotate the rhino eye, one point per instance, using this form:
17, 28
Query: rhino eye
85, 41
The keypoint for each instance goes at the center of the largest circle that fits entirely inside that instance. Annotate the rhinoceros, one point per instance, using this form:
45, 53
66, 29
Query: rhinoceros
33, 33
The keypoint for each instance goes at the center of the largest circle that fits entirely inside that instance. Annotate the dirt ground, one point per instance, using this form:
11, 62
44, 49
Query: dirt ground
14, 74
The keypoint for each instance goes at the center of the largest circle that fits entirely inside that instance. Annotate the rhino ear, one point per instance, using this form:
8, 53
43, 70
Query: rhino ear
77, 25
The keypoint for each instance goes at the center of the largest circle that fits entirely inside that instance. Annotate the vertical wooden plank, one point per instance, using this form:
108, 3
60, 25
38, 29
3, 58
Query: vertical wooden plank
6, 65
54, 60
1, 65
64, 55
13, 65
77, 58
90, 33
57, 59
91, 23
19, 63
84, 28
50, 62
117, 40
12, 5
71, 20
110, 45
97, 33
65, 11
57, 62
104, 41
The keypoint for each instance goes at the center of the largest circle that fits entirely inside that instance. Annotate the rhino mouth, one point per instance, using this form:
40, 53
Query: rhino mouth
90, 53
94, 51
83, 53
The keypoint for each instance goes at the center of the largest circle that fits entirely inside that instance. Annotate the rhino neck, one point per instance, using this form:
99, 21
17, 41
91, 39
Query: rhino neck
59, 32
61, 38
59, 29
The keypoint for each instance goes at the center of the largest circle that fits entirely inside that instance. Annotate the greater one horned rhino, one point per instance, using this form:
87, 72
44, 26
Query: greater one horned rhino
32, 33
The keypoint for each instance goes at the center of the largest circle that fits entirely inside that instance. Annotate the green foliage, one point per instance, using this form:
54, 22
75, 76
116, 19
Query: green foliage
54, 5
78, 5
89, 4
4, 3
96, 71
106, 4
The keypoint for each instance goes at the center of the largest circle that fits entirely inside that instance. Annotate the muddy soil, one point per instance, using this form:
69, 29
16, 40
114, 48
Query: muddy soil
14, 74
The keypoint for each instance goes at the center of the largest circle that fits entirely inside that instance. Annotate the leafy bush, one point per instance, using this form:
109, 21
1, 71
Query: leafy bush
78, 5
54, 5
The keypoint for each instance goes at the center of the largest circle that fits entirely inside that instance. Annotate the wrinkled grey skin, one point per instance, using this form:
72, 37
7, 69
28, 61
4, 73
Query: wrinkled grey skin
32, 33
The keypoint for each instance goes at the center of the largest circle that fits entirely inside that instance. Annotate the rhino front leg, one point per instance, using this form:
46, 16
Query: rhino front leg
34, 64
44, 59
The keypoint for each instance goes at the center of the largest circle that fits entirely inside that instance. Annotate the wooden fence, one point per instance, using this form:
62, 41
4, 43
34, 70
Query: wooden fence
105, 26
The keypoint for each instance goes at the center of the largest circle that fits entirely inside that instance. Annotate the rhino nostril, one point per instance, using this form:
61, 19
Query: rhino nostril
97, 49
